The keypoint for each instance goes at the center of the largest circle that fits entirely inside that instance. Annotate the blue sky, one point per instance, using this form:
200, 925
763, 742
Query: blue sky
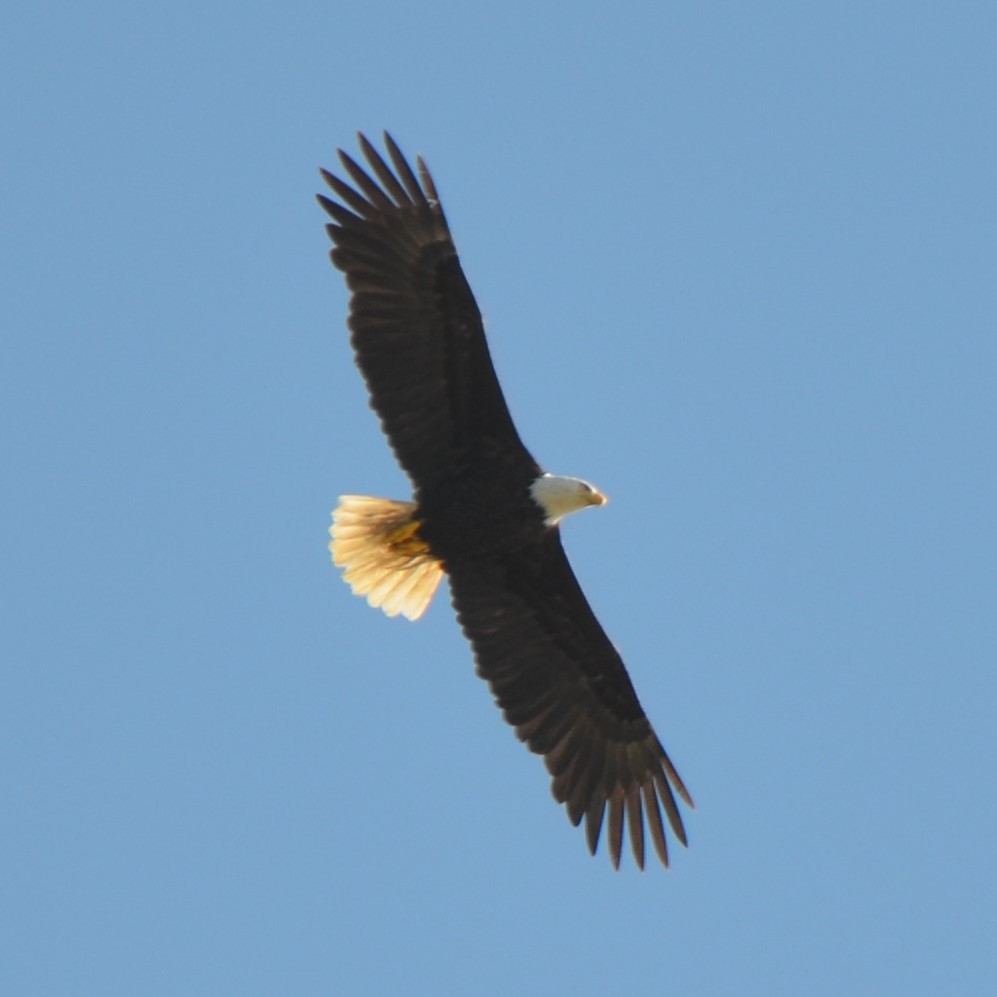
737, 264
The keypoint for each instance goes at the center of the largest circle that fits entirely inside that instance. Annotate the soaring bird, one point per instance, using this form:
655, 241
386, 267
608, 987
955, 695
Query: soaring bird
483, 511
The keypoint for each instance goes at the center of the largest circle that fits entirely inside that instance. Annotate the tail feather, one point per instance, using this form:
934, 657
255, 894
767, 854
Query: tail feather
376, 541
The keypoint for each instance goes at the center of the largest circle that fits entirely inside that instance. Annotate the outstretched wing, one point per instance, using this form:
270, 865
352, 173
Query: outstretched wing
416, 329
562, 685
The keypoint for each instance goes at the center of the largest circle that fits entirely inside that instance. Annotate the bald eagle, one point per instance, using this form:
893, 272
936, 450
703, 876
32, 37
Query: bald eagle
484, 512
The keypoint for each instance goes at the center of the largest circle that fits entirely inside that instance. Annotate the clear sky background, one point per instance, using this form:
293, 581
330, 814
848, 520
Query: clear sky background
738, 267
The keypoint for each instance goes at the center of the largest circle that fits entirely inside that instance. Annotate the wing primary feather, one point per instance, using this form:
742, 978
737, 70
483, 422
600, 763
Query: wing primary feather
564, 786
587, 786
654, 821
593, 822
344, 219
668, 802
596, 794
635, 823
360, 206
674, 778
404, 171
427, 180
560, 759
368, 187
582, 783
621, 773
615, 806
383, 172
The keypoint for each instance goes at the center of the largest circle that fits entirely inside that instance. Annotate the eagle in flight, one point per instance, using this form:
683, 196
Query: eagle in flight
483, 512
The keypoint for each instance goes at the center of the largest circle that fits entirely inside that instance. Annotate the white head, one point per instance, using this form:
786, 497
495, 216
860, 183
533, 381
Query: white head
558, 496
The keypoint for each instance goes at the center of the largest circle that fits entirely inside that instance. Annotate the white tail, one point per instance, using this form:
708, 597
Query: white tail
376, 541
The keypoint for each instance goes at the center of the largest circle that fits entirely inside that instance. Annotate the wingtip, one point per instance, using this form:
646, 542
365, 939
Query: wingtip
349, 163
390, 142
366, 146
